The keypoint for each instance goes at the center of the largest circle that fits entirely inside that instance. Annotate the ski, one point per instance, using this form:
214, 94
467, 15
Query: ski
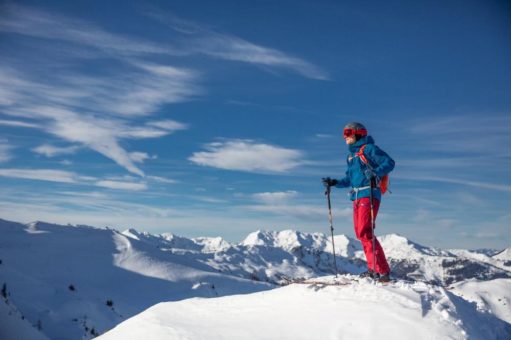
345, 281
315, 282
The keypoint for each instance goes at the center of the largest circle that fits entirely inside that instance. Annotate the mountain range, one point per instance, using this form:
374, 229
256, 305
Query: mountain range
64, 281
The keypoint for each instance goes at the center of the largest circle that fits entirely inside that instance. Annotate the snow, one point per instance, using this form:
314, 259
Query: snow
41, 261
78, 282
289, 240
402, 248
358, 311
504, 255
493, 296
14, 326
212, 244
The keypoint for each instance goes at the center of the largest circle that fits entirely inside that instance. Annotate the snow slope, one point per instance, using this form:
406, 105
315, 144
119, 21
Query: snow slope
14, 326
504, 255
357, 311
79, 281
414, 261
493, 296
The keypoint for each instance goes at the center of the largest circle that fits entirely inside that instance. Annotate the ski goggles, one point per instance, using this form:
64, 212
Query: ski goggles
348, 132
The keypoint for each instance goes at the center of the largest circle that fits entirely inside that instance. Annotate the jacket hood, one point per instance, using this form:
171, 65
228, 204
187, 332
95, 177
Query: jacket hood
364, 140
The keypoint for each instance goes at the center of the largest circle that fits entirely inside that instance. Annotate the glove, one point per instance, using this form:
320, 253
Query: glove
369, 174
329, 182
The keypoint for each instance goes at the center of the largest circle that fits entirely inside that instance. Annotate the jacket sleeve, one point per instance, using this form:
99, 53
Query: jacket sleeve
381, 162
343, 182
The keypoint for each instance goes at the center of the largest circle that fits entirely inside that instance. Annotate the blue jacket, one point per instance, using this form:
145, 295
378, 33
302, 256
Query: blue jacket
380, 162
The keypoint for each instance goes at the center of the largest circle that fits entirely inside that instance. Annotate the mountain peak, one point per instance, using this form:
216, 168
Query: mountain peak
504, 255
402, 248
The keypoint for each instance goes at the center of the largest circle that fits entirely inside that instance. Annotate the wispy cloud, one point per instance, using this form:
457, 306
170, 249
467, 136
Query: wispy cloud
247, 155
100, 134
52, 151
233, 48
17, 123
475, 184
275, 197
121, 185
141, 157
160, 179
62, 176
36, 23
94, 109
5, 151
204, 40
308, 211
324, 136
99, 109
289, 204
473, 134
41, 175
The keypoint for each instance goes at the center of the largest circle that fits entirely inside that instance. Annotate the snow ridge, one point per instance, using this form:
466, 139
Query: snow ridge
299, 312
80, 281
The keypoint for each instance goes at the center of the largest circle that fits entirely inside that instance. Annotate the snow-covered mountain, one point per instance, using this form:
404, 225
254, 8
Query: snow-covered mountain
360, 310
414, 261
79, 281
504, 255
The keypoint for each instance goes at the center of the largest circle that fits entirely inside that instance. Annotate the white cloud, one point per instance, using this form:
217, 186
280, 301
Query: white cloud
168, 125
61, 176
41, 175
5, 154
463, 134
99, 111
234, 48
323, 135
246, 155
206, 41
66, 162
98, 134
85, 109
16, 123
145, 88
476, 184
52, 151
162, 179
285, 203
76, 126
300, 210
36, 23
275, 197
141, 157
121, 185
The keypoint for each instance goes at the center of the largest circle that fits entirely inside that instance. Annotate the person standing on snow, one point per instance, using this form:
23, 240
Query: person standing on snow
361, 177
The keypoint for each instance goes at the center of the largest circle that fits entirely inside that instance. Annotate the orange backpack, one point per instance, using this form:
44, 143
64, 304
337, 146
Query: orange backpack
384, 181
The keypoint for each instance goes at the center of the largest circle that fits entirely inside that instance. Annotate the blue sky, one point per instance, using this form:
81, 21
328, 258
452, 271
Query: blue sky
207, 118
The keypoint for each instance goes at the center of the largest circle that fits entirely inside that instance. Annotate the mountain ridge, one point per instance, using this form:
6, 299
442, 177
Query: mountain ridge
94, 278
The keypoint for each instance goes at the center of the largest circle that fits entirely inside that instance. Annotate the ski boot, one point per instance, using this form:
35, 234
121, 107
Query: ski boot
369, 274
384, 278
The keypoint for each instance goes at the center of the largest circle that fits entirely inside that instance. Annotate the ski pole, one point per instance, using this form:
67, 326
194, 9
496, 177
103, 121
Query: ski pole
327, 193
372, 226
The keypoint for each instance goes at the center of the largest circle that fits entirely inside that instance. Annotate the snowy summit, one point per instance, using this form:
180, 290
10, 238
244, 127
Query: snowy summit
351, 311
83, 282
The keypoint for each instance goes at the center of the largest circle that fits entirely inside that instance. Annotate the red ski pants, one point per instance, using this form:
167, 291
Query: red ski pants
363, 230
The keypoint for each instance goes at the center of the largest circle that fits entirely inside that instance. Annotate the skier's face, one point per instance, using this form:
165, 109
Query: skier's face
350, 140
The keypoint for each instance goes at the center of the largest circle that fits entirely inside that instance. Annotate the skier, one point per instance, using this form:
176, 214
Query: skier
367, 166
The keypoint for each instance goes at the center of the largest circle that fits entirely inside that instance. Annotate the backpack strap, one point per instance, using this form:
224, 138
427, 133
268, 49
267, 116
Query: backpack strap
383, 183
360, 154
